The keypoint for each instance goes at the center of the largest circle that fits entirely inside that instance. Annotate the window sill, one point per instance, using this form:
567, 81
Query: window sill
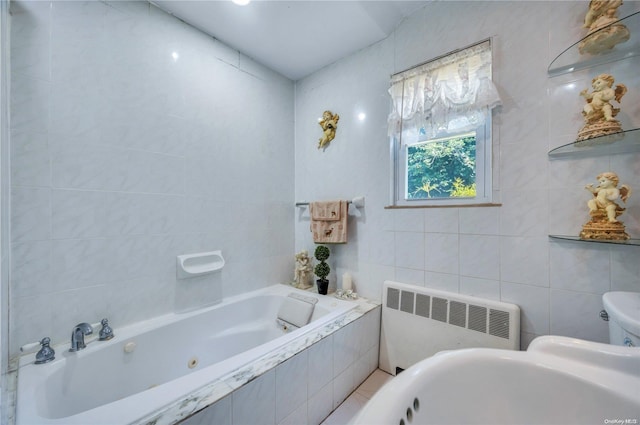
400, 207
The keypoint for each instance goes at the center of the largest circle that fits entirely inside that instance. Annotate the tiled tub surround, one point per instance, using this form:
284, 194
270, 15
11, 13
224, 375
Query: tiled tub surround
301, 384
161, 389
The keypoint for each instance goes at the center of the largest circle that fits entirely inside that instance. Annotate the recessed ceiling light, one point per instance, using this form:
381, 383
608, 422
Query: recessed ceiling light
241, 2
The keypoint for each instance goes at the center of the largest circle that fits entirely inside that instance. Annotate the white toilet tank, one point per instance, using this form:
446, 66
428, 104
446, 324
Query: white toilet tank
623, 309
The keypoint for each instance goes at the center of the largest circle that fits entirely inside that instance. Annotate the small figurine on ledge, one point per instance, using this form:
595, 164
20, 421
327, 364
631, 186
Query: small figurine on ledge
598, 112
329, 124
604, 210
304, 269
604, 29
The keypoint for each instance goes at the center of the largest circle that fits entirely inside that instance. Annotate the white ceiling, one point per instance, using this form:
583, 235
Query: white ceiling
294, 38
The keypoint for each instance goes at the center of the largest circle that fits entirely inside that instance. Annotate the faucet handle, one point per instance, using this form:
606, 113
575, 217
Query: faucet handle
30, 347
106, 333
46, 353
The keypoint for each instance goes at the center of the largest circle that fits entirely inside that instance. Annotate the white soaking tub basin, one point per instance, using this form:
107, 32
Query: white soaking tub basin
172, 357
558, 380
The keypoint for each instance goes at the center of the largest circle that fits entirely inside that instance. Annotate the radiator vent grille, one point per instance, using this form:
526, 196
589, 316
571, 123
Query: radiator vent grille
393, 298
406, 301
457, 314
423, 305
477, 318
474, 317
499, 323
439, 309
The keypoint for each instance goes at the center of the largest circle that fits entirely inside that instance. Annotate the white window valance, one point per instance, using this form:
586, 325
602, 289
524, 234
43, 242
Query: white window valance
447, 95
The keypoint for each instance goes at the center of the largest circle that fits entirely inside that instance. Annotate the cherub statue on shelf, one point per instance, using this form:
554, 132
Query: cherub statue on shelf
329, 124
304, 270
599, 114
598, 9
604, 29
604, 210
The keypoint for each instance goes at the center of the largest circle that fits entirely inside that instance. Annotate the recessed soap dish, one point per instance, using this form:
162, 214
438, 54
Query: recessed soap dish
192, 265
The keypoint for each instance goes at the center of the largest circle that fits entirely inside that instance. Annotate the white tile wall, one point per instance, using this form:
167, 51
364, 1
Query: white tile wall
442, 253
575, 314
479, 221
483, 288
5, 177
444, 220
501, 253
124, 157
480, 256
577, 269
529, 260
625, 274
409, 250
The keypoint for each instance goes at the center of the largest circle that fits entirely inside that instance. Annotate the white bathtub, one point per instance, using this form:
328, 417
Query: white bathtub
558, 380
175, 356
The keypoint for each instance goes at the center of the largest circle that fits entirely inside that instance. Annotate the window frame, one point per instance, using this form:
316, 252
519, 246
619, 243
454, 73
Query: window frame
484, 160
484, 171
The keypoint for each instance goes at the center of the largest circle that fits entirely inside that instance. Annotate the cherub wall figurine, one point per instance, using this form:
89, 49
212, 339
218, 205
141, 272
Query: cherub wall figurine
304, 270
599, 114
604, 210
604, 30
329, 124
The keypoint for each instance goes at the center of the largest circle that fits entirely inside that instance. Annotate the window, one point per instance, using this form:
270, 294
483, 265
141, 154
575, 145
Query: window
440, 130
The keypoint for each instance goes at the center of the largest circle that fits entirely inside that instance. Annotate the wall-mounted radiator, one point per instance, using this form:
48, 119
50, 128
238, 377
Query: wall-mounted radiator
417, 322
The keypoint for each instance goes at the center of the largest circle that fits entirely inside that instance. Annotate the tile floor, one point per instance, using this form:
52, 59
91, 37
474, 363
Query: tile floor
356, 401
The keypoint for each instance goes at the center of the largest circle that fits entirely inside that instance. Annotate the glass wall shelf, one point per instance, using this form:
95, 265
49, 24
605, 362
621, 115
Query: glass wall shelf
632, 242
572, 60
623, 142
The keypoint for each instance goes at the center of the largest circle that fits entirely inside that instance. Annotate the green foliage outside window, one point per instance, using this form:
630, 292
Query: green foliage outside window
442, 169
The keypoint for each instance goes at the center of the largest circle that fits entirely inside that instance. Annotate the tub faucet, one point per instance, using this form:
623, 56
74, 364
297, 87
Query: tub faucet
46, 353
78, 334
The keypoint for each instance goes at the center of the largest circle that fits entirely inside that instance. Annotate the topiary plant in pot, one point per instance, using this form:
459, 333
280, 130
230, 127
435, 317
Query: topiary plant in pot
322, 269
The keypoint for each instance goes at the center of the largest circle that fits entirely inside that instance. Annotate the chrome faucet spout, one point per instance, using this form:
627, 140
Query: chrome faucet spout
78, 334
